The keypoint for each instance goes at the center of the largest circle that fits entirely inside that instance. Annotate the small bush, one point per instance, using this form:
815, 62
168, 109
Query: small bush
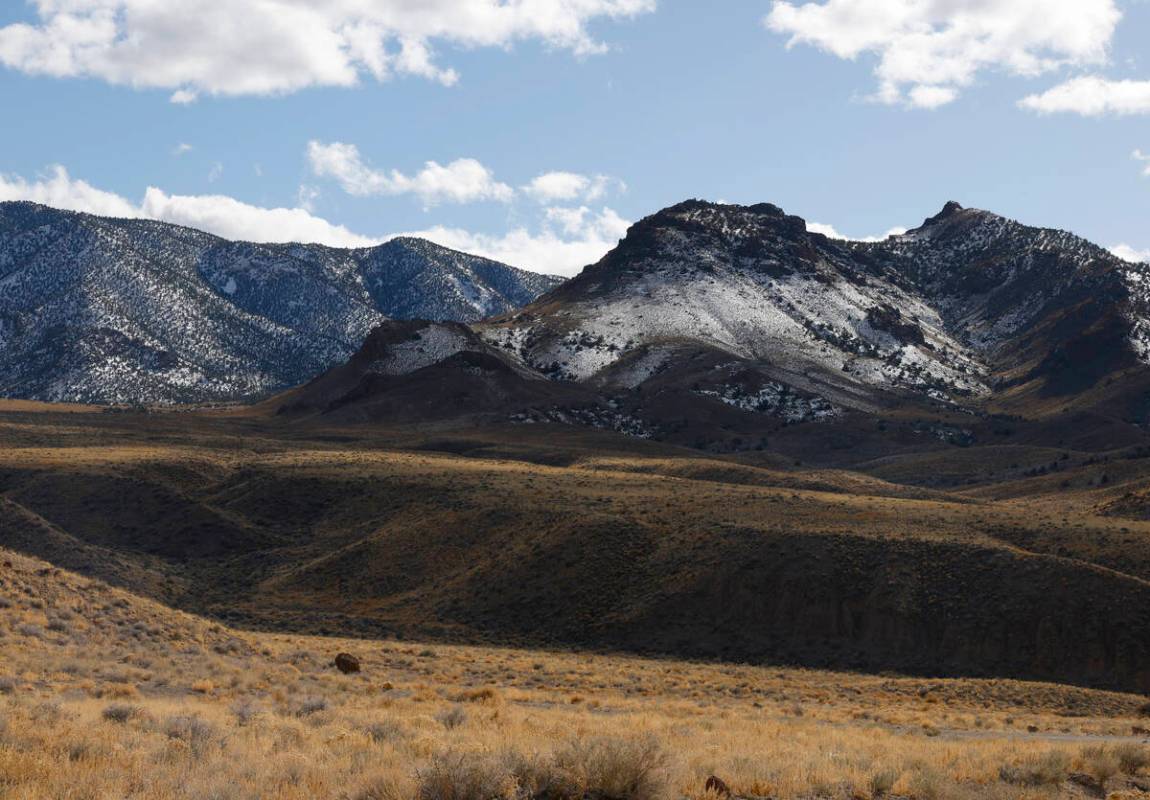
33, 631
485, 695
1132, 757
246, 712
534, 777
379, 789
120, 713
193, 731
385, 731
1048, 769
624, 769
882, 782
311, 705
85, 750
926, 784
48, 713
119, 690
1100, 763
463, 776
8, 685
452, 718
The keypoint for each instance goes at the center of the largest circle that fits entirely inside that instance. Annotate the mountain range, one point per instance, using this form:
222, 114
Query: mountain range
129, 311
712, 325
928, 454
709, 325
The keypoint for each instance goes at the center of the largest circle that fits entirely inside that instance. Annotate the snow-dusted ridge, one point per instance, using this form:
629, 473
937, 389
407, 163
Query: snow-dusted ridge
935, 312
136, 311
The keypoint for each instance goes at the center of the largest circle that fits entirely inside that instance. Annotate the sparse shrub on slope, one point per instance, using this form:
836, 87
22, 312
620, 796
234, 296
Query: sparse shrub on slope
1132, 757
196, 733
466, 776
120, 713
1048, 769
452, 718
622, 769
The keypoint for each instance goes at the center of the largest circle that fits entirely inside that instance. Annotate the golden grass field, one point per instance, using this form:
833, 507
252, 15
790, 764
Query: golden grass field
495, 582
107, 695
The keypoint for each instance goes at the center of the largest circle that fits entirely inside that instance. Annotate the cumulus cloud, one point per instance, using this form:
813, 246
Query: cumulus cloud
58, 189
243, 47
929, 50
564, 240
1092, 96
464, 180
568, 240
227, 217
830, 232
1128, 253
1145, 159
561, 186
181, 149
218, 214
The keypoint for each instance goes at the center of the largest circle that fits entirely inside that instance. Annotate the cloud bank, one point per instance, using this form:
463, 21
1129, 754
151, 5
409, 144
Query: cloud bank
260, 47
1131, 254
1092, 96
564, 241
464, 180
930, 50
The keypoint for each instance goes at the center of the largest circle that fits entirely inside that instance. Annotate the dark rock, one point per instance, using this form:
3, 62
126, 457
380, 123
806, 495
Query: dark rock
346, 663
717, 785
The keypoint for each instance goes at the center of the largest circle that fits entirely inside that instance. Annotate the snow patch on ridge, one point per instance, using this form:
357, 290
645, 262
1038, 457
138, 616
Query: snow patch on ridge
428, 346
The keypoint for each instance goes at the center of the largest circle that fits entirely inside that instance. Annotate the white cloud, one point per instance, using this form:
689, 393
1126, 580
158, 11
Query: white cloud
216, 172
180, 97
232, 219
931, 96
1138, 155
565, 240
1092, 96
830, 232
242, 47
306, 197
56, 188
223, 216
464, 180
181, 149
928, 50
569, 240
561, 186
1128, 253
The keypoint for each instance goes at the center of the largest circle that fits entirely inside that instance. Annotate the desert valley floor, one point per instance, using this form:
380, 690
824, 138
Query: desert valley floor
545, 611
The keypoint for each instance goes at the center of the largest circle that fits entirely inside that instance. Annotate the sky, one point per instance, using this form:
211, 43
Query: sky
536, 131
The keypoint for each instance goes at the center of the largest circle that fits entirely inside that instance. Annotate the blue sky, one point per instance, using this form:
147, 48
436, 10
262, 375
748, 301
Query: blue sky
553, 123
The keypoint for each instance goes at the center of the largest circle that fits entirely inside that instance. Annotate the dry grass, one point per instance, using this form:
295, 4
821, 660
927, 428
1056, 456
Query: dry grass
133, 700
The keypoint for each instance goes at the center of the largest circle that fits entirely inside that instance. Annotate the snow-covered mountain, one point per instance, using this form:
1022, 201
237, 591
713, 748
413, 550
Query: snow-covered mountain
135, 311
952, 310
714, 325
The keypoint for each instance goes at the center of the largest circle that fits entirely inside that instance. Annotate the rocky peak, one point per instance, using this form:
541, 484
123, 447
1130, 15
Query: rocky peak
949, 210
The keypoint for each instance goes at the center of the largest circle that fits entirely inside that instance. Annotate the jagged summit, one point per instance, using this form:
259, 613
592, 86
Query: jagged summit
949, 210
951, 313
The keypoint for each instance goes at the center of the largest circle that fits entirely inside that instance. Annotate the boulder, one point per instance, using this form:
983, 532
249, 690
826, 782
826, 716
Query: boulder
346, 663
